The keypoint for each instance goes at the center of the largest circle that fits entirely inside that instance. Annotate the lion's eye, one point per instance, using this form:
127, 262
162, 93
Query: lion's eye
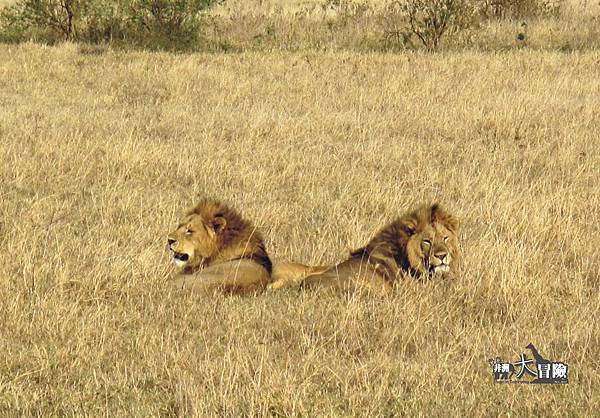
446, 238
426, 241
189, 232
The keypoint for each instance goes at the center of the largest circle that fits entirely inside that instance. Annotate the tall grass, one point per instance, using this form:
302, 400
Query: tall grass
101, 153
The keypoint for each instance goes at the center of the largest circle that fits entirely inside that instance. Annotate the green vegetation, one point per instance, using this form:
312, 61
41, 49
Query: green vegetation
153, 24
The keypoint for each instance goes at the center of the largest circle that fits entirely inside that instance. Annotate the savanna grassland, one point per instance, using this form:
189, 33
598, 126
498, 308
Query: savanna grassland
102, 149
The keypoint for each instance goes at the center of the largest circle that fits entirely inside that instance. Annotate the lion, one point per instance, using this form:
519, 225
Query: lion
218, 251
421, 244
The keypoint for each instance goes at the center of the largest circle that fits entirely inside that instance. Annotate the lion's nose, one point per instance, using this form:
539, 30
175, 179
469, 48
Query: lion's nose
441, 255
171, 241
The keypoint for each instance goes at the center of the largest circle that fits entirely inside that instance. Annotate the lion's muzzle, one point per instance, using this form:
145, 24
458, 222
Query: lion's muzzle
440, 262
442, 268
181, 257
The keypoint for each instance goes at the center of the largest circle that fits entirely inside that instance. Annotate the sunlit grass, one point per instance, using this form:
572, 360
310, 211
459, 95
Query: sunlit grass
101, 153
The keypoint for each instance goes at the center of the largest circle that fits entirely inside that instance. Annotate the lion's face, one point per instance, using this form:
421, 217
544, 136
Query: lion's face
194, 241
433, 250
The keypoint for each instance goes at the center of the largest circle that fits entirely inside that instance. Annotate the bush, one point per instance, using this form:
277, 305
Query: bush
164, 24
56, 18
168, 21
430, 20
106, 21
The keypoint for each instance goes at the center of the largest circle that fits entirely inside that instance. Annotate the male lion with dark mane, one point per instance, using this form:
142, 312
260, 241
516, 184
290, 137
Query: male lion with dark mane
218, 251
422, 244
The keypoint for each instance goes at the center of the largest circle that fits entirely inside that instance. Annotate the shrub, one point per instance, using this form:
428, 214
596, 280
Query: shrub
149, 23
430, 20
106, 21
174, 22
54, 17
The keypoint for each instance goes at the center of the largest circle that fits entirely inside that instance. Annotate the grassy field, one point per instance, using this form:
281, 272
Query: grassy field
331, 26
102, 152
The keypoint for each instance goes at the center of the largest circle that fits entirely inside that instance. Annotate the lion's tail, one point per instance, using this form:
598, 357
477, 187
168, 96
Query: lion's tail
292, 274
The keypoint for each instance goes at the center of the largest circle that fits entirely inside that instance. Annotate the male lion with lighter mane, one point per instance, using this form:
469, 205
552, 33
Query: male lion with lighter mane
218, 251
421, 244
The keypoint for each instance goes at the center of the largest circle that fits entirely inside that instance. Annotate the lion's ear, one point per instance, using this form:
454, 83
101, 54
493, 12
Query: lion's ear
452, 223
217, 223
409, 226
438, 214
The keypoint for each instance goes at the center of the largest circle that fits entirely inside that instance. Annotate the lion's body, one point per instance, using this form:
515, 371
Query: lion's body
219, 252
230, 277
354, 274
422, 243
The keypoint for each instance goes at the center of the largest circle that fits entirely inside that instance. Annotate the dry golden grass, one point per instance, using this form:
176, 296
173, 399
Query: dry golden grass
286, 25
100, 154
